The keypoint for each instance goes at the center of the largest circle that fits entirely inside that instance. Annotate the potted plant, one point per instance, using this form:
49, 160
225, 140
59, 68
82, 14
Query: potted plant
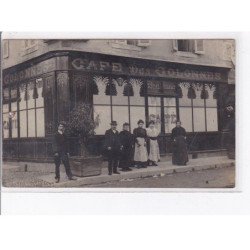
81, 125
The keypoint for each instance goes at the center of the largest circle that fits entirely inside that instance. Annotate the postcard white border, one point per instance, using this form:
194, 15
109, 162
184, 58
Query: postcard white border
85, 193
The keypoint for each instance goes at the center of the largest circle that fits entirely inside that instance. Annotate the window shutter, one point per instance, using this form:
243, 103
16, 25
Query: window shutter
121, 41
144, 43
233, 56
26, 43
5, 48
175, 45
199, 46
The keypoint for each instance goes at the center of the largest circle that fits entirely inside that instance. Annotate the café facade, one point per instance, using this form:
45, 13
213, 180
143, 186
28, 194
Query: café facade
39, 93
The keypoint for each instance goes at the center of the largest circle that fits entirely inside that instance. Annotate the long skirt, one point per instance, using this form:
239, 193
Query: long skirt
141, 154
180, 154
126, 158
154, 152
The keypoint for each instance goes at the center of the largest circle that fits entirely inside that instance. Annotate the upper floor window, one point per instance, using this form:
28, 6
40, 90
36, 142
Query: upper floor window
185, 45
5, 48
189, 45
132, 44
229, 51
30, 45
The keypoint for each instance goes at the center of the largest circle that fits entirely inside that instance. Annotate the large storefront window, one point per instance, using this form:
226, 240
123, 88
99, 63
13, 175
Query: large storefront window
211, 109
14, 119
5, 120
170, 115
120, 110
118, 99
102, 104
123, 100
154, 110
10, 114
5, 111
137, 101
31, 106
198, 107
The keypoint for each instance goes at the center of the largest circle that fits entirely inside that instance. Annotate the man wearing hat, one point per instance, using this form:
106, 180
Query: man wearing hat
126, 139
113, 147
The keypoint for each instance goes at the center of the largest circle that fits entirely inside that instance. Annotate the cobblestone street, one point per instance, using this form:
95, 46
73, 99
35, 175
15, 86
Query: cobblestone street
19, 178
211, 172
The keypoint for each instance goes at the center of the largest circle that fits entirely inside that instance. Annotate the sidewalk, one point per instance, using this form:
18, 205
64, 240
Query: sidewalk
42, 175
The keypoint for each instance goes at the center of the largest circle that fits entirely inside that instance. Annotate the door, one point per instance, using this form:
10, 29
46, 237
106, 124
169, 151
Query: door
163, 111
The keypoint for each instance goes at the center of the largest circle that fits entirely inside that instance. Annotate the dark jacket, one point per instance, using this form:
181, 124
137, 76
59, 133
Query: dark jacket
60, 143
126, 139
112, 140
140, 132
178, 131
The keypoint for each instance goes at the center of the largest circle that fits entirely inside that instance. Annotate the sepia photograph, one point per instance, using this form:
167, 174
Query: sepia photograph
124, 124
118, 113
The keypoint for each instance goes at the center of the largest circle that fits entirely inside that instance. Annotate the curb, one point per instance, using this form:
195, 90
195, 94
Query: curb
142, 174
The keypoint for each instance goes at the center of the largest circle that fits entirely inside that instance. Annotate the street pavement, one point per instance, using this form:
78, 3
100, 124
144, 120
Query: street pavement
210, 178
42, 175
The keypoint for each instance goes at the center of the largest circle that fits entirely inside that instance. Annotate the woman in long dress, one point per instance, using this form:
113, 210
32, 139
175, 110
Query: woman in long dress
180, 154
154, 152
140, 155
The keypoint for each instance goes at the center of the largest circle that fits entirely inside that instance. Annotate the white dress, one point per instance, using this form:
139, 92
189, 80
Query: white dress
141, 154
154, 152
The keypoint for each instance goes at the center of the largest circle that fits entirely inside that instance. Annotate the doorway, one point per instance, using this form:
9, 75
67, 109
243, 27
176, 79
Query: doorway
163, 111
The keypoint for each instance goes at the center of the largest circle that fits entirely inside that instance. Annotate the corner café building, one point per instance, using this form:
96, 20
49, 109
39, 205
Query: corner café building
39, 93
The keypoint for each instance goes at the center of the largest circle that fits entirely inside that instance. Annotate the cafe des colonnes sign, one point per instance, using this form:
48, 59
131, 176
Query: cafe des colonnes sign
100, 66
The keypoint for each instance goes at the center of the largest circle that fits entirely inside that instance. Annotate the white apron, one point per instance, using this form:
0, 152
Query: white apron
154, 152
141, 154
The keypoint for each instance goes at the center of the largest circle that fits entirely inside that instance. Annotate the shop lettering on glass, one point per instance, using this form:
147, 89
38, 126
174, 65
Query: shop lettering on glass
154, 85
30, 72
134, 70
5, 95
6, 123
170, 118
168, 88
161, 88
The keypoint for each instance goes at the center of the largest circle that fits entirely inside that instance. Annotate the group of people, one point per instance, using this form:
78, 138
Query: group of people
140, 148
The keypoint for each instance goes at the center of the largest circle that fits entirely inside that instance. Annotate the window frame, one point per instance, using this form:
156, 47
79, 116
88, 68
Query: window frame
29, 47
35, 108
6, 112
195, 49
5, 48
142, 43
129, 105
24, 109
205, 107
163, 106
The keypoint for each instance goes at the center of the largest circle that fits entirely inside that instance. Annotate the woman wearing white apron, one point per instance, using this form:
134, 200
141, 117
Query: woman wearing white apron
141, 155
154, 152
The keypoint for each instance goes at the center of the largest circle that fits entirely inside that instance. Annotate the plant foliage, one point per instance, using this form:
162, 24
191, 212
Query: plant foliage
81, 122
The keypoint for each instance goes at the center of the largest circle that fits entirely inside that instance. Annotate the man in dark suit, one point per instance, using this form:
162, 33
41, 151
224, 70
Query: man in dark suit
61, 152
113, 147
127, 142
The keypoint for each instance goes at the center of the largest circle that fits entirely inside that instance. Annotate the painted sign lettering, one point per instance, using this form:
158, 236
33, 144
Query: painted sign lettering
33, 71
161, 71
